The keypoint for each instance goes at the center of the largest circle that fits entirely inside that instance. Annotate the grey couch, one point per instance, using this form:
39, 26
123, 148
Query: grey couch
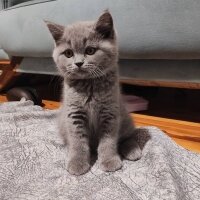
159, 40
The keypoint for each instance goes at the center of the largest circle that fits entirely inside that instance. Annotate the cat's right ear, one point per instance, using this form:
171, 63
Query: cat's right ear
104, 25
55, 30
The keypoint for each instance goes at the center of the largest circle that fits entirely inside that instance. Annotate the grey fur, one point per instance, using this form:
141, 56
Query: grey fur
92, 115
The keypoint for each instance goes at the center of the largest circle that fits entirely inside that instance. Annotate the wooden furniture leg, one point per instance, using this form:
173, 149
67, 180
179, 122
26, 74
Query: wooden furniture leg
8, 71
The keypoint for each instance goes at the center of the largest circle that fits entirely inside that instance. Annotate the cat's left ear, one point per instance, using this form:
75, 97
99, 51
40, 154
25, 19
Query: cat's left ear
104, 25
56, 30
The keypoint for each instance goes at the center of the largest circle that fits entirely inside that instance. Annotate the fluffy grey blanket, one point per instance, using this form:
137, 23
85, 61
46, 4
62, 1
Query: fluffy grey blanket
33, 164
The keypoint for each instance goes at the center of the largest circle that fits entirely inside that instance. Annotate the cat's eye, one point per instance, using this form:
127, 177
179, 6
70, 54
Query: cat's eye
68, 53
90, 50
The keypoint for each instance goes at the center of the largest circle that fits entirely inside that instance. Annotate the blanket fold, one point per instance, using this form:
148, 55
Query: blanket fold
33, 162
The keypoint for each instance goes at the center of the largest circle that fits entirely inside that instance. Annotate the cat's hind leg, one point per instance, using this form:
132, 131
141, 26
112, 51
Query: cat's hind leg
129, 148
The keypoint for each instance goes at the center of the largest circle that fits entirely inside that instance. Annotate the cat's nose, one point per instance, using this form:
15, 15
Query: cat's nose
79, 64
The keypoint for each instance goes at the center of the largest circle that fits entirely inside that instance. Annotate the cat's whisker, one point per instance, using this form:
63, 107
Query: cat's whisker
96, 74
93, 73
99, 72
67, 74
90, 71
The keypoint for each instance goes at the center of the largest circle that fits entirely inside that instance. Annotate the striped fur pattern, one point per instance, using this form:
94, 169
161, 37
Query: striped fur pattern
92, 117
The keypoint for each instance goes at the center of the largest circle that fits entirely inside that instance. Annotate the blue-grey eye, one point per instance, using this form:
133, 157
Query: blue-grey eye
68, 53
90, 50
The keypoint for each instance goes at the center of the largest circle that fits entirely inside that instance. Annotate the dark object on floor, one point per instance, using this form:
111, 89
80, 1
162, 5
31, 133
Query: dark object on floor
15, 94
135, 103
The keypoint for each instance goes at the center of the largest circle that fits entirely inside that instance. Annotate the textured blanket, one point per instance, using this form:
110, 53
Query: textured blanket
33, 164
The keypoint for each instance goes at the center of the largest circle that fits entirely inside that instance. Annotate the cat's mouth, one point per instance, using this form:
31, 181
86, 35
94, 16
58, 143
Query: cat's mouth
80, 70
85, 72
78, 73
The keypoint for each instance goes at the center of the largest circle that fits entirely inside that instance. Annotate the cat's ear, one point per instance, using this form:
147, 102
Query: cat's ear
55, 30
104, 25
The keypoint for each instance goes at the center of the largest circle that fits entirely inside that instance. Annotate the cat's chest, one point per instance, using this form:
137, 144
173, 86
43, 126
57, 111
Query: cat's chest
93, 108
90, 102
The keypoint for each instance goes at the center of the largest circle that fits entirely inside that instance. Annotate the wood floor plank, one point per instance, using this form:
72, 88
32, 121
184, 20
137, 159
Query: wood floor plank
189, 145
51, 105
161, 83
4, 62
186, 134
177, 128
2, 99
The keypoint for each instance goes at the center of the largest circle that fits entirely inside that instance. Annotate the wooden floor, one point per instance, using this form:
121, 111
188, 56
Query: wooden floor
186, 134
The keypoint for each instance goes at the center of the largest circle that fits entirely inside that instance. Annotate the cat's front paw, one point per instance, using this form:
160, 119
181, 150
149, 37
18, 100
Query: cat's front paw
78, 167
112, 164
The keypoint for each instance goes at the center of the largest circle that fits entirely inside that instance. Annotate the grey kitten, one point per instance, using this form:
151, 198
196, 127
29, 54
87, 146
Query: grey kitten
92, 114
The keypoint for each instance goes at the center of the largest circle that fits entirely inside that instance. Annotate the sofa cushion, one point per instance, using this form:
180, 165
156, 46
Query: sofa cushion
156, 29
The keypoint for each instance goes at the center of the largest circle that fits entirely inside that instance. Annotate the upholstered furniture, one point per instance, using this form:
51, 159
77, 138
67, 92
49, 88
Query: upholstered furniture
159, 40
